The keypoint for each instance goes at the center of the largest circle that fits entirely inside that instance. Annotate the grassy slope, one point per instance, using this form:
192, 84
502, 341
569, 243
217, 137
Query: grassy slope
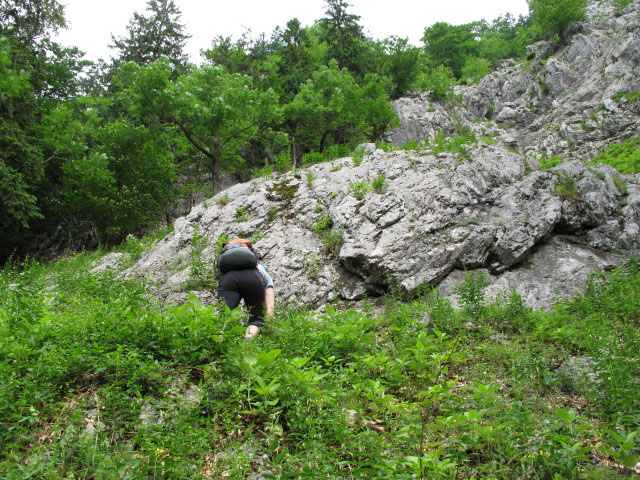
98, 381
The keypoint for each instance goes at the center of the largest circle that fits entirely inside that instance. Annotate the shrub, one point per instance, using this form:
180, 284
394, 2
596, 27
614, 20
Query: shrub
283, 161
359, 189
332, 239
264, 172
201, 274
546, 162
357, 157
412, 146
223, 199
323, 223
474, 69
385, 146
439, 82
567, 188
242, 215
624, 157
379, 183
632, 97
454, 144
312, 158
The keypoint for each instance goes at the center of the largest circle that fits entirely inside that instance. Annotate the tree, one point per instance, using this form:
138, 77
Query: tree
296, 63
449, 45
29, 20
246, 56
439, 82
374, 107
332, 109
554, 16
216, 112
160, 34
343, 35
35, 76
474, 69
401, 64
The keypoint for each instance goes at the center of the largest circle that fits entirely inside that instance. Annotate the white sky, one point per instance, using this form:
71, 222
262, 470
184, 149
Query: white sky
91, 22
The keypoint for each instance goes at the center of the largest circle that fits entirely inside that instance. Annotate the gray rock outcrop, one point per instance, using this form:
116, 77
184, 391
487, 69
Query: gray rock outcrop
398, 220
431, 216
569, 101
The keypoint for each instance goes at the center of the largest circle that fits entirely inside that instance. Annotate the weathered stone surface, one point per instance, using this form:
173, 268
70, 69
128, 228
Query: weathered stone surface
555, 269
438, 215
559, 101
435, 215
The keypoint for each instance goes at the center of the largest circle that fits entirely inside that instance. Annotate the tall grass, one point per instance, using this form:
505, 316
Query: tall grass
99, 380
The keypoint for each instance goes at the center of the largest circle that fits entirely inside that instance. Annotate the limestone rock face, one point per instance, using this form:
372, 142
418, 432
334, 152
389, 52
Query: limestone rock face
432, 217
398, 220
560, 101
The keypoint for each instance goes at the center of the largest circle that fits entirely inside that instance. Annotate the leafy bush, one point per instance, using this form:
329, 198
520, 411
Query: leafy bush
439, 82
566, 187
283, 161
412, 146
454, 144
242, 214
323, 223
264, 172
386, 146
474, 69
379, 184
90, 363
357, 157
201, 274
312, 158
632, 97
624, 157
546, 162
360, 188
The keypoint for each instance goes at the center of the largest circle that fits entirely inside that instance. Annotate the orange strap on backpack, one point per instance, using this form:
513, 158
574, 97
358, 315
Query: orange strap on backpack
244, 241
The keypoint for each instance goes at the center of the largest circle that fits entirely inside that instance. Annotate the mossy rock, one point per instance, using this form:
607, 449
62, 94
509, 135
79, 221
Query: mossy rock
283, 191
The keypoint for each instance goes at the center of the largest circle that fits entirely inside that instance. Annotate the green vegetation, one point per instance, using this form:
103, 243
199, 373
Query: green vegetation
360, 188
331, 237
454, 144
357, 157
439, 82
488, 139
632, 97
242, 215
566, 187
473, 49
201, 272
323, 223
624, 157
98, 380
620, 5
552, 17
547, 162
379, 184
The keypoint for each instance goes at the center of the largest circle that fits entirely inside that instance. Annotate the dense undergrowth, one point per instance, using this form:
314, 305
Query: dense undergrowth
100, 381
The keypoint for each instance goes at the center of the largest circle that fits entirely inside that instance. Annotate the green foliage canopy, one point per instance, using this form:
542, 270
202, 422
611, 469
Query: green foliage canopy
552, 17
160, 34
217, 113
331, 107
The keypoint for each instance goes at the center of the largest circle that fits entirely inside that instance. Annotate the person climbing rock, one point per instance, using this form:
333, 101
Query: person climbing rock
243, 278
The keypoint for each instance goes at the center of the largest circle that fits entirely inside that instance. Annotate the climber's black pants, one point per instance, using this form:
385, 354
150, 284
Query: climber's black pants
246, 285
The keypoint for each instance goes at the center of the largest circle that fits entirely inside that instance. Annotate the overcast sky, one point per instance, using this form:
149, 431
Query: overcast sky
91, 22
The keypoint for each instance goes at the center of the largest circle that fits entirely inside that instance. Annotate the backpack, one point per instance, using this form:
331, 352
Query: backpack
237, 254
